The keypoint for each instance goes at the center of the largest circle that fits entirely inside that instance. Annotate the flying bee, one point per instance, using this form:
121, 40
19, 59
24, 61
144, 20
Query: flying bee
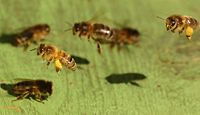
59, 57
32, 35
182, 23
92, 30
37, 89
122, 37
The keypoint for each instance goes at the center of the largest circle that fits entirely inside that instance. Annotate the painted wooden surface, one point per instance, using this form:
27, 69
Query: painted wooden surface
169, 62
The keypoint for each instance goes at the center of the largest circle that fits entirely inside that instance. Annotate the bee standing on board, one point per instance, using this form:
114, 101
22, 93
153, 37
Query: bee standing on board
59, 57
123, 37
37, 89
32, 34
182, 23
94, 31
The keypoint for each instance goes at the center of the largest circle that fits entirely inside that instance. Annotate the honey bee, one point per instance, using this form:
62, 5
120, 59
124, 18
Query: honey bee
32, 35
104, 34
94, 31
37, 89
182, 23
122, 37
59, 57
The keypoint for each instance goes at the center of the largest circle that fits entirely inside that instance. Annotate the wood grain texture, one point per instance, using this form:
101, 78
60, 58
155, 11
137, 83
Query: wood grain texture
169, 61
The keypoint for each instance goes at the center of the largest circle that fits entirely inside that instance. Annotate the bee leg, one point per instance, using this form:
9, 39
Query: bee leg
37, 94
172, 31
134, 83
35, 42
99, 49
181, 31
120, 45
80, 34
95, 39
26, 46
49, 61
189, 31
73, 32
89, 37
43, 56
112, 45
22, 96
38, 98
58, 65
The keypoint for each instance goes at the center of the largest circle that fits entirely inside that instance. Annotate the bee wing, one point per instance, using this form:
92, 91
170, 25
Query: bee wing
97, 16
22, 79
3, 81
121, 24
11, 81
19, 30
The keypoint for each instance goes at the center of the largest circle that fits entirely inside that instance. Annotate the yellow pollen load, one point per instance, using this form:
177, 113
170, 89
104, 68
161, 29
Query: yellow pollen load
189, 32
58, 65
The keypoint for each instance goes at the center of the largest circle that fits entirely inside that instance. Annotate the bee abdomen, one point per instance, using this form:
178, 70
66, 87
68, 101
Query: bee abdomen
21, 40
192, 22
68, 61
71, 63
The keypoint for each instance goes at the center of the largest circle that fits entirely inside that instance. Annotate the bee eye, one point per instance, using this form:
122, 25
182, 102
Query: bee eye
173, 22
77, 29
47, 29
41, 50
76, 26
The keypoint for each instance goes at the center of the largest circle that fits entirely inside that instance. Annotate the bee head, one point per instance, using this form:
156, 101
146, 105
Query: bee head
46, 90
172, 22
40, 49
45, 87
47, 28
49, 86
81, 27
76, 28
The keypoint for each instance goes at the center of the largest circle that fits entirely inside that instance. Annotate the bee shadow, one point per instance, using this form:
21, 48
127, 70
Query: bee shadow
8, 88
80, 60
125, 78
8, 38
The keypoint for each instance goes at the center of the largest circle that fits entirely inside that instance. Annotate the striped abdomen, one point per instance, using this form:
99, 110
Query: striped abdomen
67, 60
189, 21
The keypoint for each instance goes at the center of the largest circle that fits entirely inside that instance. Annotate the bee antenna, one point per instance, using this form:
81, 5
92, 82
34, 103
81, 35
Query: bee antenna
160, 17
33, 49
68, 23
68, 29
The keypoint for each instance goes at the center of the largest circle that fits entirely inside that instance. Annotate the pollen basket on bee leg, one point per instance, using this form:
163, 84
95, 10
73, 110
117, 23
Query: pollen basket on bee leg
189, 32
58, 65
